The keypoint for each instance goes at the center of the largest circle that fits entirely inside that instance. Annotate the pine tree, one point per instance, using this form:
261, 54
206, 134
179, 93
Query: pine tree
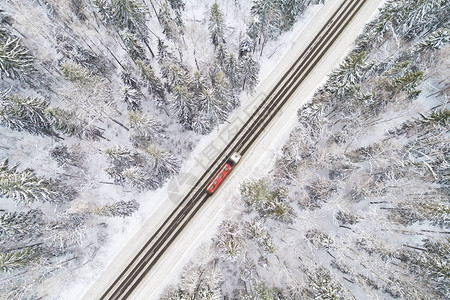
350, 72
164, 163
139, 178
63, 156
26, 188
15, 61
231, 68
170, 28
222, 91
25, 114
67, 122
145, 128
119, 209
132, 98
154, 84
19, 224
76, 73
434, 41
248, 69
216, 26
12, 260
177, 4
134, 47
175, 75
182, 105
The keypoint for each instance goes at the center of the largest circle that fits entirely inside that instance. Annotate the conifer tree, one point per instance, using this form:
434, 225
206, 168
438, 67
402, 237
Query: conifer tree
248, 69
434, 41
25, 114
67, 122
19, 224
26, 187
164, 163
145, 128
15, 259
134, 47
118, 209
182, 105
216, 26
15, 61
154, 84
76, 73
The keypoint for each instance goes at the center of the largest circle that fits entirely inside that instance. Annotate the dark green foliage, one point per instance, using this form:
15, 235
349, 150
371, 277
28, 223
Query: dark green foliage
15, 61
248, 70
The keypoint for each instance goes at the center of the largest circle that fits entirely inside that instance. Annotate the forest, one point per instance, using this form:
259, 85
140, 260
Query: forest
100, 103
356, 205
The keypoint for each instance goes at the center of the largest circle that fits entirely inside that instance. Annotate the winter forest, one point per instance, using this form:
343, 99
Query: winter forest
356, 205
100, 102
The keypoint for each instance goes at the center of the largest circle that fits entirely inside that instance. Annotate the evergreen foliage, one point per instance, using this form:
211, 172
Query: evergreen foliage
68, 123
134, 47
124, 14
19, 224
119, 209
434, 41
15, 61
26, 187
163, 162
15, 259
248, 70
75, 72
25, 114
145, 128
216, 26
154, 84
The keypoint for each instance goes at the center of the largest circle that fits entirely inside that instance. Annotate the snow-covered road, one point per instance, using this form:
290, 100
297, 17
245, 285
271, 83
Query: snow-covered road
255, 164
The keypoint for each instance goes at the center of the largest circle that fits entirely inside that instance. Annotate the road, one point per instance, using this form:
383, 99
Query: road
246, 137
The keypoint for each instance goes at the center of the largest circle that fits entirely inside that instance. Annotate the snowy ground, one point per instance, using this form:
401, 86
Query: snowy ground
203, 228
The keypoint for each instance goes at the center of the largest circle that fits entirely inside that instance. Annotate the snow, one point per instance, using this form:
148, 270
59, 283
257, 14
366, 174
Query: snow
223, 204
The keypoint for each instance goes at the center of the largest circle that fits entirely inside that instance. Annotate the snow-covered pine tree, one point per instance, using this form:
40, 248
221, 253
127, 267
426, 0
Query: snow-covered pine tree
154, 83
26, 187
349, 73
121, 158
25, 114
140, 178
132, 97
231, 68
170, 28
20, 224
182, 105
145, 128
62, 155
175, 75
164, 163
67, 122
15, 61
15, 259
222, 92
75, 72
177, 4
134, 47
248, 70
119, 209
434, 41
216, 26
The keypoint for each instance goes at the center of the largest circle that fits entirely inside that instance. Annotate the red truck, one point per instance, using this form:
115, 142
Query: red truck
223, 173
